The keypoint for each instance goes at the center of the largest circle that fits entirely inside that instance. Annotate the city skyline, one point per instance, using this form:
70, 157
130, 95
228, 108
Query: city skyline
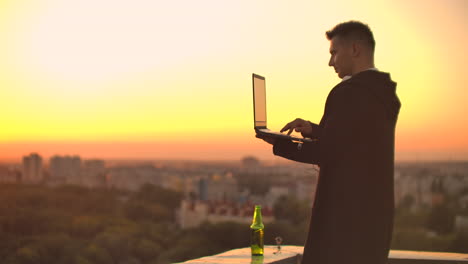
164, 80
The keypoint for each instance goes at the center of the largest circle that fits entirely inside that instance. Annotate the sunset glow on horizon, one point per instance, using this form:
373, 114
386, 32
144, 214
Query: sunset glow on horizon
172, 79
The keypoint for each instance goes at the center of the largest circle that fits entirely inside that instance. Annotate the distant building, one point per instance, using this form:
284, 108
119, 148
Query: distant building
306, 188
424, 185
93, 173
250, 162
461, 224
275, 193
221, 187
9, 175
194, 213
438, 192
463, 202
132, 178
65, 169
32, 168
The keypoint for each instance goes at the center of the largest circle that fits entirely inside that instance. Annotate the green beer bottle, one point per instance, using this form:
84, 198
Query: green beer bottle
256, 244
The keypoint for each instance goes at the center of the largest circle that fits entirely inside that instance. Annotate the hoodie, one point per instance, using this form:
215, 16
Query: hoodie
381, 86
352, 215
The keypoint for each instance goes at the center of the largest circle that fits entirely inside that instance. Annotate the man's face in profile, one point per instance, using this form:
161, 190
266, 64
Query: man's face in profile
341, 58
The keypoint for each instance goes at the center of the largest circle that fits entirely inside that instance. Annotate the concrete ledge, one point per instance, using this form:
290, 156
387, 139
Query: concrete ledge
288, 255
416, 257
292, 255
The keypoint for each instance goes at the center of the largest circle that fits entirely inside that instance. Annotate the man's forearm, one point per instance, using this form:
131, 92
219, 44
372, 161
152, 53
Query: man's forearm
307, 152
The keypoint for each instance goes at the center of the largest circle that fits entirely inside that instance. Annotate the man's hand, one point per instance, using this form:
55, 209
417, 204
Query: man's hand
269, 139
300, 125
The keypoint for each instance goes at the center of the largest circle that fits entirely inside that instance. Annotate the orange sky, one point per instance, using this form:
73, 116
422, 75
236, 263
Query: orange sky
172, 79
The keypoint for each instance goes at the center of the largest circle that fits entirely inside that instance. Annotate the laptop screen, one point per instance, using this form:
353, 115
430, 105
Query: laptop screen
259, 95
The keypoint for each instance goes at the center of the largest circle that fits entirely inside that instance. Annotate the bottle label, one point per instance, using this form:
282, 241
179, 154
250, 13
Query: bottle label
257, 242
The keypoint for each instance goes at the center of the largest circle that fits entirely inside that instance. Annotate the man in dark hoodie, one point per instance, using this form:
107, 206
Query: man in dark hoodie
352, 216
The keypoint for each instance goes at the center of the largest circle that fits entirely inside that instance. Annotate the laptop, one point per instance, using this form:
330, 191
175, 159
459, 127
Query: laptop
260, 114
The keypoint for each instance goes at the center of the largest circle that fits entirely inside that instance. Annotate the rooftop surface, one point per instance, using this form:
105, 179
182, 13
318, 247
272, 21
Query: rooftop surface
292, 255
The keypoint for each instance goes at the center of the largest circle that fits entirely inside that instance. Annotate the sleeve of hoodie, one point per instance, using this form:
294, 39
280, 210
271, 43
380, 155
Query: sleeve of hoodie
308, 152
341, 136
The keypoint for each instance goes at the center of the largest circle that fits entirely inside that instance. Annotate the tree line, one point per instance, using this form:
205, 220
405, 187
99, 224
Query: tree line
76, 225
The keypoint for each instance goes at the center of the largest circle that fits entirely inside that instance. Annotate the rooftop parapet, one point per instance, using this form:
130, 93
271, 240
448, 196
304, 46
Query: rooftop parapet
292, 255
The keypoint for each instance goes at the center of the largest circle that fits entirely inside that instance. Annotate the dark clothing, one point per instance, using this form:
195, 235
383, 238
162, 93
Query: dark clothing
352, 216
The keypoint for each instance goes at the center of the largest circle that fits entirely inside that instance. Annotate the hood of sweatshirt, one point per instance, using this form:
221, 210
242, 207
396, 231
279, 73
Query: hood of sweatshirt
382, 87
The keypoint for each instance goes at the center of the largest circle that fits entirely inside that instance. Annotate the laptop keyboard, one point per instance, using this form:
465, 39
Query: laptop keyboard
272, 132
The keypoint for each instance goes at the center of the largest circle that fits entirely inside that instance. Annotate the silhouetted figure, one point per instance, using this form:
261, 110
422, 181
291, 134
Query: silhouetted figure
352, 216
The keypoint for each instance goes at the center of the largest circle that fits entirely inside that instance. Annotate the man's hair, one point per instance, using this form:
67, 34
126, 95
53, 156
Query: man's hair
353, 30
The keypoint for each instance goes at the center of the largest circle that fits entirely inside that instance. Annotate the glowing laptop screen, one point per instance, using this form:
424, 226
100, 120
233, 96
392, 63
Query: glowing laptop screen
259, 95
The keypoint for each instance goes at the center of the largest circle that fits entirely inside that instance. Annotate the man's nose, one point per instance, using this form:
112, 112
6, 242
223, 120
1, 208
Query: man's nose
330, 62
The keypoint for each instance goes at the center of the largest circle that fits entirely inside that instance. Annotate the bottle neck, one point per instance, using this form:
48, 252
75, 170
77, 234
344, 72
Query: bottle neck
257, 221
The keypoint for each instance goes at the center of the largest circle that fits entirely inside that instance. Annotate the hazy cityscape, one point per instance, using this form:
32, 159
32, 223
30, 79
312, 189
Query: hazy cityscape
213, 192
432, 193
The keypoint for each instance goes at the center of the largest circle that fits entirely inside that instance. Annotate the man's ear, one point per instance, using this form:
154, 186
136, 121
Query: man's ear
355, 49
